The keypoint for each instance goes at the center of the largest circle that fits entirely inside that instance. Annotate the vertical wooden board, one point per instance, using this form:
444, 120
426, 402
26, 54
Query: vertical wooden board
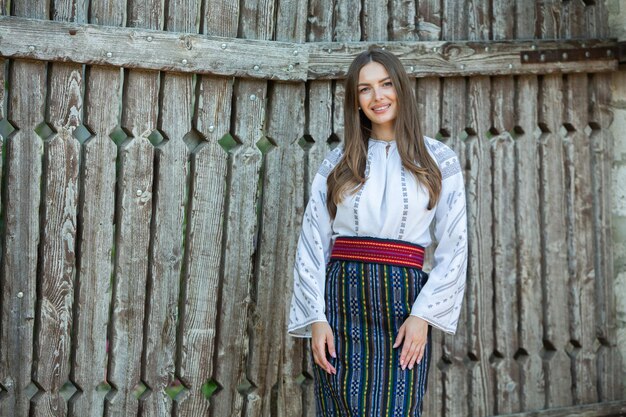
526, 18
502, 99
479, 20
70, 10
402, 19
21, 234
166, 256
57, 249
282, 208
256, 19
37, 9
501, 11
133, 214
200, 286
375, 17
573, 19
507, 376
454, 22
107, 12
338, 102
347, 20
205, 218
241, 217
602, 150
221, 18
430, 20
581, 256
554, 268
95, 243
318, 126
528, 248
455, 376
320, 21
291, 21
479, 291
428, 94
3, 93
549, 19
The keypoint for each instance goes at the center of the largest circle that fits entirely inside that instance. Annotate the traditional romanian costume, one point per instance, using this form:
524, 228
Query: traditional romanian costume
362, 273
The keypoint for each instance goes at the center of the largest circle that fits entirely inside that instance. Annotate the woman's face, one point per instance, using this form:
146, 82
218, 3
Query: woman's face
377, 97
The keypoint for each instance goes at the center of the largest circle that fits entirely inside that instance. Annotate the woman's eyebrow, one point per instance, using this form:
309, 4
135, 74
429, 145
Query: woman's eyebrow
379, 81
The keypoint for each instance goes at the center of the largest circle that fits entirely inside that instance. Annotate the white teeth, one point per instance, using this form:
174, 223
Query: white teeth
380, 108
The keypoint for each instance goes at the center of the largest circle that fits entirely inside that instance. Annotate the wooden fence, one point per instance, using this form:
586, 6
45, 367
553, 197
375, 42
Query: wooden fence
149, 215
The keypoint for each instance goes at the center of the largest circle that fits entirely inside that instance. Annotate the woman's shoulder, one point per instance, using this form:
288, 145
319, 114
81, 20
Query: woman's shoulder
330, 161
444, 156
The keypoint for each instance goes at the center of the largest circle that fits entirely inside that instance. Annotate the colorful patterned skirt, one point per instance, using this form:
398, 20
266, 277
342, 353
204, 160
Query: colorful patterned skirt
371, 285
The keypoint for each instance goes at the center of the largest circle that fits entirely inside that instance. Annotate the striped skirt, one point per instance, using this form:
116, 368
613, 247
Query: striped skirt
371, 285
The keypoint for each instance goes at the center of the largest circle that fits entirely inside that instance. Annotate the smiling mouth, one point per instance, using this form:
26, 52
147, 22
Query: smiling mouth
380, 109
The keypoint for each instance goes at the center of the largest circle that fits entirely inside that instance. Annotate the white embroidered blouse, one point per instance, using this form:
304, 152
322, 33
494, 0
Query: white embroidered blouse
391, 205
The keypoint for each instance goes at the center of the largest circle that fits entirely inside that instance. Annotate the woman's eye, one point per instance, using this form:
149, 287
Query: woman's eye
387, 84
364, 90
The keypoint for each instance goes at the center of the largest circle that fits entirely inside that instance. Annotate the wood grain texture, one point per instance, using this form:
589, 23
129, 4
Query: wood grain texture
70, 10
402, 20
479, 289
602, 143
430, 15
347, 21
506, 369
95, 243
21, 234
3, 90
57, 248
581, 262
203, 253
375, 17
166, 255
608, 409
320, 22
456, 391
554, 244
134, 196
107, 13
241, 228
282, 202
221, 18
528, 247
428, 94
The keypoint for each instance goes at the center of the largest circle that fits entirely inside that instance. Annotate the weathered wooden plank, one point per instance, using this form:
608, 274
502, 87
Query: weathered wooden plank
108, 13
507, 376
70, 10
549, 19
200, 287
456, 392
554, 245
573, 19
291, 21
133, 217
429, 19
21, 228
581, 256
375, 17
205, 220
428, 102
611, 384
347, 20
480, 263
402, 21
282, 208
501, 12
232, 343
59, 217
170, 180
320, 22
3, 92
528, 247
135, 48
607, 409
95, 243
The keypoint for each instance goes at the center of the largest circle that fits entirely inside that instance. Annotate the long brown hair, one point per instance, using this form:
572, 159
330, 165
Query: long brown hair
349, 174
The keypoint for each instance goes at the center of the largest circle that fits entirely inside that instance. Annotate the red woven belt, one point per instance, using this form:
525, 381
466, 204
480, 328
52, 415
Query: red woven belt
379, 251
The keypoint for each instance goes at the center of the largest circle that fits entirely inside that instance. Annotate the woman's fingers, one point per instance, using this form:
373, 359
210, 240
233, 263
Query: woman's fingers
323, 338
399, 337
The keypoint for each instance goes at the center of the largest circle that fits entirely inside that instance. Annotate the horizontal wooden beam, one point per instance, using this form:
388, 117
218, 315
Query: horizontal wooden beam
248, 58
606, 409
151, 49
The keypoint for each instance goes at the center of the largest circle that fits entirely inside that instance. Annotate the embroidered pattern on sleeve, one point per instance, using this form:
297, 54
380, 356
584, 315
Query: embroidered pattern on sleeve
445, 157
331, 160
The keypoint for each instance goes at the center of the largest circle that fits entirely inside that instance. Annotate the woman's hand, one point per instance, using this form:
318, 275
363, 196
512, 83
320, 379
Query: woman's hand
322, 336
414, 332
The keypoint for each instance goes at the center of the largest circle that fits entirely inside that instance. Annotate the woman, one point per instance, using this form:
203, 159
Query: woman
359, 291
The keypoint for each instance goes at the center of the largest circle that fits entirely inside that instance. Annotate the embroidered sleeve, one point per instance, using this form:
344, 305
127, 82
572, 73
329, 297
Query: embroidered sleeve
313, 252
440, 300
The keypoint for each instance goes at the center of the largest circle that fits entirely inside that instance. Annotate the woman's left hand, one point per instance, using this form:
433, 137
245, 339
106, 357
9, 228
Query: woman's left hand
414, 333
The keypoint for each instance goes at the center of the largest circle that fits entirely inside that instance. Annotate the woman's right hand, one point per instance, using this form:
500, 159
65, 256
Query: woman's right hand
322, 336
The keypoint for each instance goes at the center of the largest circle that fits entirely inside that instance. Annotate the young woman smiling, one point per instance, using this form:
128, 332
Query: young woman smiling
359, 289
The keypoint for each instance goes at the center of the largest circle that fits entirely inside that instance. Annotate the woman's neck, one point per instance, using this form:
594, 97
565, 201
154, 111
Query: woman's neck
383, 133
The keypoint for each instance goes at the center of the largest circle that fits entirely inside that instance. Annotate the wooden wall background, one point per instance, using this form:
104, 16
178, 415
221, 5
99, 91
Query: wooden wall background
149, 218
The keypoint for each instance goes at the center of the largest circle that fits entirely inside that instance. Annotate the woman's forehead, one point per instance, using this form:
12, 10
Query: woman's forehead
372, 72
